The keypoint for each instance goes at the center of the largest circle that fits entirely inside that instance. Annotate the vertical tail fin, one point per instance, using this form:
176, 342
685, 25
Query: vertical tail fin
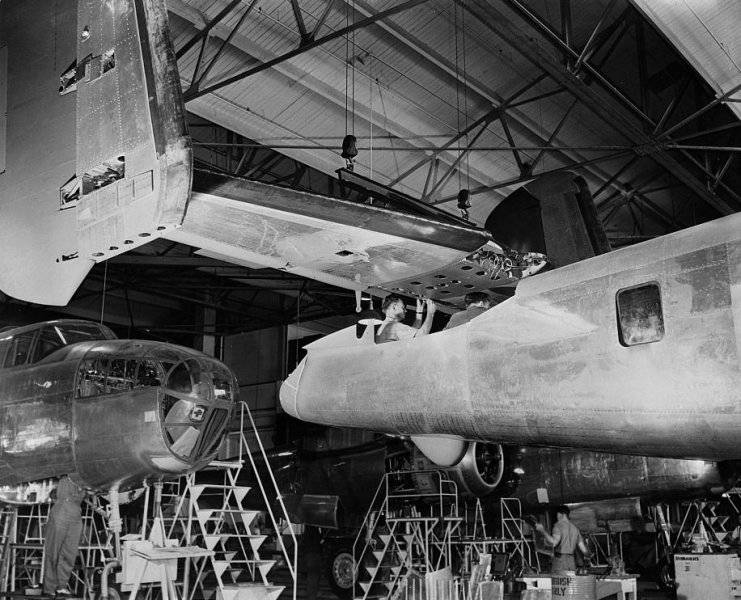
553, 214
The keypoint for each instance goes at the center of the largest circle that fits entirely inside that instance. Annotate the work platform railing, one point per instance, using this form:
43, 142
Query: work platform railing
410, 535
216, 531
234, 525
404, 530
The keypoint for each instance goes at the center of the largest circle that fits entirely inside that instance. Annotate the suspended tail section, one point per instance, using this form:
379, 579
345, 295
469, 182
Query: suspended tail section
94, 157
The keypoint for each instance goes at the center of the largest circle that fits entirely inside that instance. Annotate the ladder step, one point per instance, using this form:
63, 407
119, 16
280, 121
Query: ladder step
239, 491
220, 566
248, 516
244, 536
256, 541
264, 567
250, 591
248, 561
208, 514
211, 541
224, 511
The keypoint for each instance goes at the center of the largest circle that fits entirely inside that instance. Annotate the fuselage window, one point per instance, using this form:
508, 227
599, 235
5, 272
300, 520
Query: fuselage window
639, 314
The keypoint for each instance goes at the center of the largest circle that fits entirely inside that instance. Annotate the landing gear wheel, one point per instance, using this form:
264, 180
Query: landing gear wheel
339, 571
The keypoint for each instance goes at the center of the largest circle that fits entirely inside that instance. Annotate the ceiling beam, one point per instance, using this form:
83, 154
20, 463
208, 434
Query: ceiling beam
436, 59
409, 4
597, 101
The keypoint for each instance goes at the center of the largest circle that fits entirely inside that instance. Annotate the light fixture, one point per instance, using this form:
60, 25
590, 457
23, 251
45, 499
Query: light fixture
349, 151
464, 202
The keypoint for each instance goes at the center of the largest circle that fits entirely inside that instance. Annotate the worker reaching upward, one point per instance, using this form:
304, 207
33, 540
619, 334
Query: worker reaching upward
392, 329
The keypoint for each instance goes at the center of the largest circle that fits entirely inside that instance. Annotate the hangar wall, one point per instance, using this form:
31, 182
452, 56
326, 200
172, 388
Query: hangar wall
256, 357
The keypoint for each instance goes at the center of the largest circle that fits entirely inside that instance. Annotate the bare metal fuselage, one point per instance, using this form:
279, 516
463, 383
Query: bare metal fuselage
547, 367
91, 411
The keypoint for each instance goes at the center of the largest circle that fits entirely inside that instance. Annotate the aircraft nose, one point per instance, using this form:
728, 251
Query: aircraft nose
289, 391
199, 396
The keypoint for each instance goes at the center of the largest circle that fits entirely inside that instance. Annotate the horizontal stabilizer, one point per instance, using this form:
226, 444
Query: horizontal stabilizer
335, 241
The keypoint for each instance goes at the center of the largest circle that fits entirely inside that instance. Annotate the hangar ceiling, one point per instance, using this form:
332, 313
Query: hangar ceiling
441, 95
536, 86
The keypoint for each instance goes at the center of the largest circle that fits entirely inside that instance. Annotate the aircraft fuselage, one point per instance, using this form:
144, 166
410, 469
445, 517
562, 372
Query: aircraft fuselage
109, 412
635, 351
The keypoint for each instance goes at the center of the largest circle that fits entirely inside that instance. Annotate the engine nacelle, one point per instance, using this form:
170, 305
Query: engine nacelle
483, 469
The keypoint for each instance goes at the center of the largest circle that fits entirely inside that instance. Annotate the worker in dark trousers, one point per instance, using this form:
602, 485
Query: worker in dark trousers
62, 537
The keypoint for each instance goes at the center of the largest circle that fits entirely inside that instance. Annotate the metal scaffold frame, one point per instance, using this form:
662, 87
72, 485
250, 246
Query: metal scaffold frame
408, 534
171, 524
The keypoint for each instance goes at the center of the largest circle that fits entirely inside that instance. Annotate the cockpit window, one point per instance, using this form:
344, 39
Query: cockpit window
99, 376
49, 341
34, 345
5, 344
19, 349
72, 333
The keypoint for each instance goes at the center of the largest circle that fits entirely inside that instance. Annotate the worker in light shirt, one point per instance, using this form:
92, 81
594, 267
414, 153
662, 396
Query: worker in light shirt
565, 538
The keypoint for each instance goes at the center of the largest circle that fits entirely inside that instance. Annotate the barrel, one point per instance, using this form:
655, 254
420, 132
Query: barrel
574, 587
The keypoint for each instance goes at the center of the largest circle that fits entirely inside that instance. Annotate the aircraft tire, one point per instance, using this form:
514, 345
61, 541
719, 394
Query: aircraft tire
338, 569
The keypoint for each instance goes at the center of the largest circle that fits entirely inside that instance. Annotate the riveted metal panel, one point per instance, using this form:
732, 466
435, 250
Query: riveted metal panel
132, 152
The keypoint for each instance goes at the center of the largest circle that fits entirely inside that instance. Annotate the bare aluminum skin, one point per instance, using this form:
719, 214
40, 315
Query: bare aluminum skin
99, 162
94, 105
112, 439
546, 367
